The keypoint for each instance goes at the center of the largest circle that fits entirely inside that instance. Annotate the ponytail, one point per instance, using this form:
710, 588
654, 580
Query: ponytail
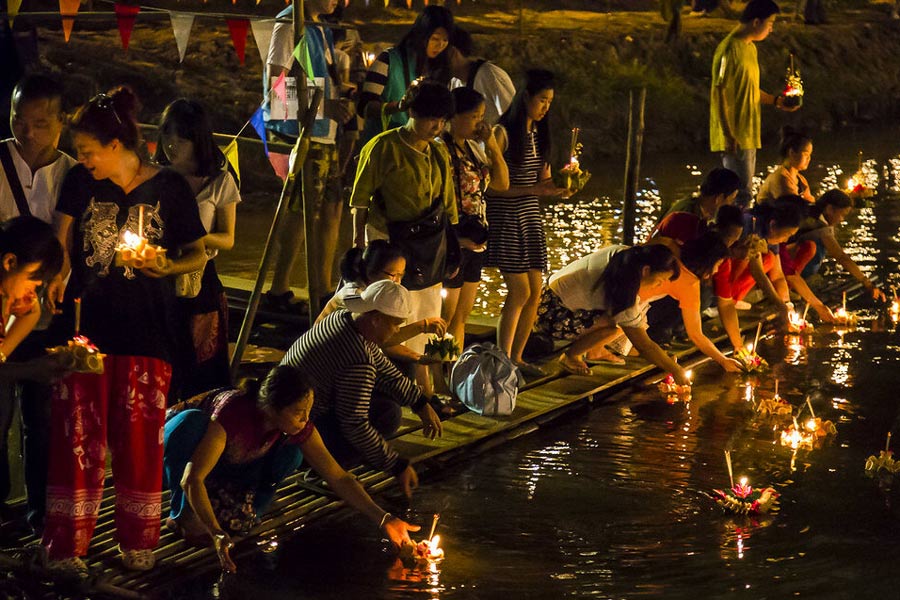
621, 280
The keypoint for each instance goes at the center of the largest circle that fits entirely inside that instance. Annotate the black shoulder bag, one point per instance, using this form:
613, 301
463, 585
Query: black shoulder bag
12, 178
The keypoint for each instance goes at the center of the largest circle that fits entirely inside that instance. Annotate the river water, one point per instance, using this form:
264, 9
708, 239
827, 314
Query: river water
613, 502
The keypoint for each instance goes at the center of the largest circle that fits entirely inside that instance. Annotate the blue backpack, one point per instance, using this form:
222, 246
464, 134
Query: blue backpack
485, 380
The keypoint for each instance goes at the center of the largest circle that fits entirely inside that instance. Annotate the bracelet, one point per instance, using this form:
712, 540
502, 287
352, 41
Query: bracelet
387, 516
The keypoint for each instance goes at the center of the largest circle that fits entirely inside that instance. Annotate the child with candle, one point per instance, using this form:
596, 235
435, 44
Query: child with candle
128, 315
186, 144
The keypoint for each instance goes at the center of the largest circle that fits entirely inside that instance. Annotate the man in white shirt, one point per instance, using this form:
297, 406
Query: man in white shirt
31, 172
36, 122
483, 76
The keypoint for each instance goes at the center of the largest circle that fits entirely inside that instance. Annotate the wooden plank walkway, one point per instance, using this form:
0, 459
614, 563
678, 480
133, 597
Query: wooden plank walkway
298, 502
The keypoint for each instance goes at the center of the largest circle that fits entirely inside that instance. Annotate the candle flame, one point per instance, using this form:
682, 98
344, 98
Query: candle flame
811, 425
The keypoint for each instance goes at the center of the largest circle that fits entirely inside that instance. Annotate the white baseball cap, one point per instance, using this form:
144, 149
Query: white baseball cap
385, 296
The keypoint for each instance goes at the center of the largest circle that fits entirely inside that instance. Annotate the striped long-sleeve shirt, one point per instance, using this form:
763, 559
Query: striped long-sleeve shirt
344, 370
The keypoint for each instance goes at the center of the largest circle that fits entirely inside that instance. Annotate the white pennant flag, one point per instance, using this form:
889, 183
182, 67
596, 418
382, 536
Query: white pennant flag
181, 26
262, 33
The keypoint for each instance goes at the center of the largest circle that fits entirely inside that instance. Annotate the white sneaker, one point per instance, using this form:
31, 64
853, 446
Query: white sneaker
741, 305
712, 312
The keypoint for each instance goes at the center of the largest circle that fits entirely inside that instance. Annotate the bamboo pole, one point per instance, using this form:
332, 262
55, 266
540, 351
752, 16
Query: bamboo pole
292, 186
633, 164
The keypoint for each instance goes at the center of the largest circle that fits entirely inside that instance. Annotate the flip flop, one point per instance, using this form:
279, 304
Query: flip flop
605, 357
574, 368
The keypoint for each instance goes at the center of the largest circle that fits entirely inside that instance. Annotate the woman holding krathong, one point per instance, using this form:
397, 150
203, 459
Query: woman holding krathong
517, 244
227, 451
111, 196
830, 210
186, 145
590, 299
475, 171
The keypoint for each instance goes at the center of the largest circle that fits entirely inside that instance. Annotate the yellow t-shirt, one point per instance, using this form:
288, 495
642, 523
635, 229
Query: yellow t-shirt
408, 180
736, 70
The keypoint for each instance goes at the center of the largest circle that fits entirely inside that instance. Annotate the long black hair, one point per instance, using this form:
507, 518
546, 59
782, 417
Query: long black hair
792, 140
516, 116
188, 120
31, 240
415, 42
621, 280
699, 256
364, 266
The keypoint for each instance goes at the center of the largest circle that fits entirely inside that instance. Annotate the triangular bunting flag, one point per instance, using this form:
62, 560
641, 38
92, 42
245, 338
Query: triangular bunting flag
238, 29
126, 15
12, 10
262, 34
231, 154
181, 27
68, 9
280, 89
301, 53
280, 164
259, 125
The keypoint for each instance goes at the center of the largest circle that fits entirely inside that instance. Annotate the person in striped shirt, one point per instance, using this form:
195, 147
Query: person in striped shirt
358, 390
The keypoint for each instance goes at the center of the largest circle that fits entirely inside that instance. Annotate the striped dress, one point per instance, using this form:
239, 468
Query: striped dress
516, 240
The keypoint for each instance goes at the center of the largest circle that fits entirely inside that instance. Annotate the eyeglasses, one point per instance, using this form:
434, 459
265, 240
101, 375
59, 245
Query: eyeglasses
105, 102
393, 276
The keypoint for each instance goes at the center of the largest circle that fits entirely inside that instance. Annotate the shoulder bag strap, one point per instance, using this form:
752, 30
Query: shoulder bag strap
12, 178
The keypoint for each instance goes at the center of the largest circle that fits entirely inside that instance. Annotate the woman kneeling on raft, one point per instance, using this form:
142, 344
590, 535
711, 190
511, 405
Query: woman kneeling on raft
588, 300
227, 451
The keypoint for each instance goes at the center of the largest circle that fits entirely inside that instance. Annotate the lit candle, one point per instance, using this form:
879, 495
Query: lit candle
756, 339
77, 316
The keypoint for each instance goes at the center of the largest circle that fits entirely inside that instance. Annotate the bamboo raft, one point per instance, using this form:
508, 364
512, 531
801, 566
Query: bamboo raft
300, 502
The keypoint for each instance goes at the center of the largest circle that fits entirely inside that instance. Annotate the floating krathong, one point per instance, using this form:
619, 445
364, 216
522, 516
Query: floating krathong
445, 348
742, 499
796, 438
673, 391
793, 88
819, 428
571, 176
750, 360
894, 309
884, 463
797, 323
843, 317
422, 553
775, 406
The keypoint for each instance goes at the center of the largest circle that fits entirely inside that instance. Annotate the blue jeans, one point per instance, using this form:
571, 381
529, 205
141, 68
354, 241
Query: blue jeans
742, 162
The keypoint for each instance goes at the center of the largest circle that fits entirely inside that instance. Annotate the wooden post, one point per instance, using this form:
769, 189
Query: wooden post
632, 164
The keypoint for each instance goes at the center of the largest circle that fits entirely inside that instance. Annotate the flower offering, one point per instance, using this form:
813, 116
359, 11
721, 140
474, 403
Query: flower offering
422, 553
137, 252
571, 176
793, 87
445, 348
797, 323
843, 317
672, 391
742, 499
775, 406
819, 428
79, 355
884, 463
751, 361
856, 185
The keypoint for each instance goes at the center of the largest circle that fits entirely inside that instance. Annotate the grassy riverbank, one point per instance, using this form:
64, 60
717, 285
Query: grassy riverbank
849, 65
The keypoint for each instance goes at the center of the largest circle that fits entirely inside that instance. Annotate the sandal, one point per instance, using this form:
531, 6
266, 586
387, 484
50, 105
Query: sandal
138, 560
530, 370
70, 569
604, 357
573, 365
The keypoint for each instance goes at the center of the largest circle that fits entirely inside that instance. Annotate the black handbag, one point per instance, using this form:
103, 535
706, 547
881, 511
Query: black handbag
423, 242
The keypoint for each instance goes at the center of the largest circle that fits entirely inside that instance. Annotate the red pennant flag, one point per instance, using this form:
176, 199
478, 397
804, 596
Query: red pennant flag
68, 9
280, 163
126, 15
238, 29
